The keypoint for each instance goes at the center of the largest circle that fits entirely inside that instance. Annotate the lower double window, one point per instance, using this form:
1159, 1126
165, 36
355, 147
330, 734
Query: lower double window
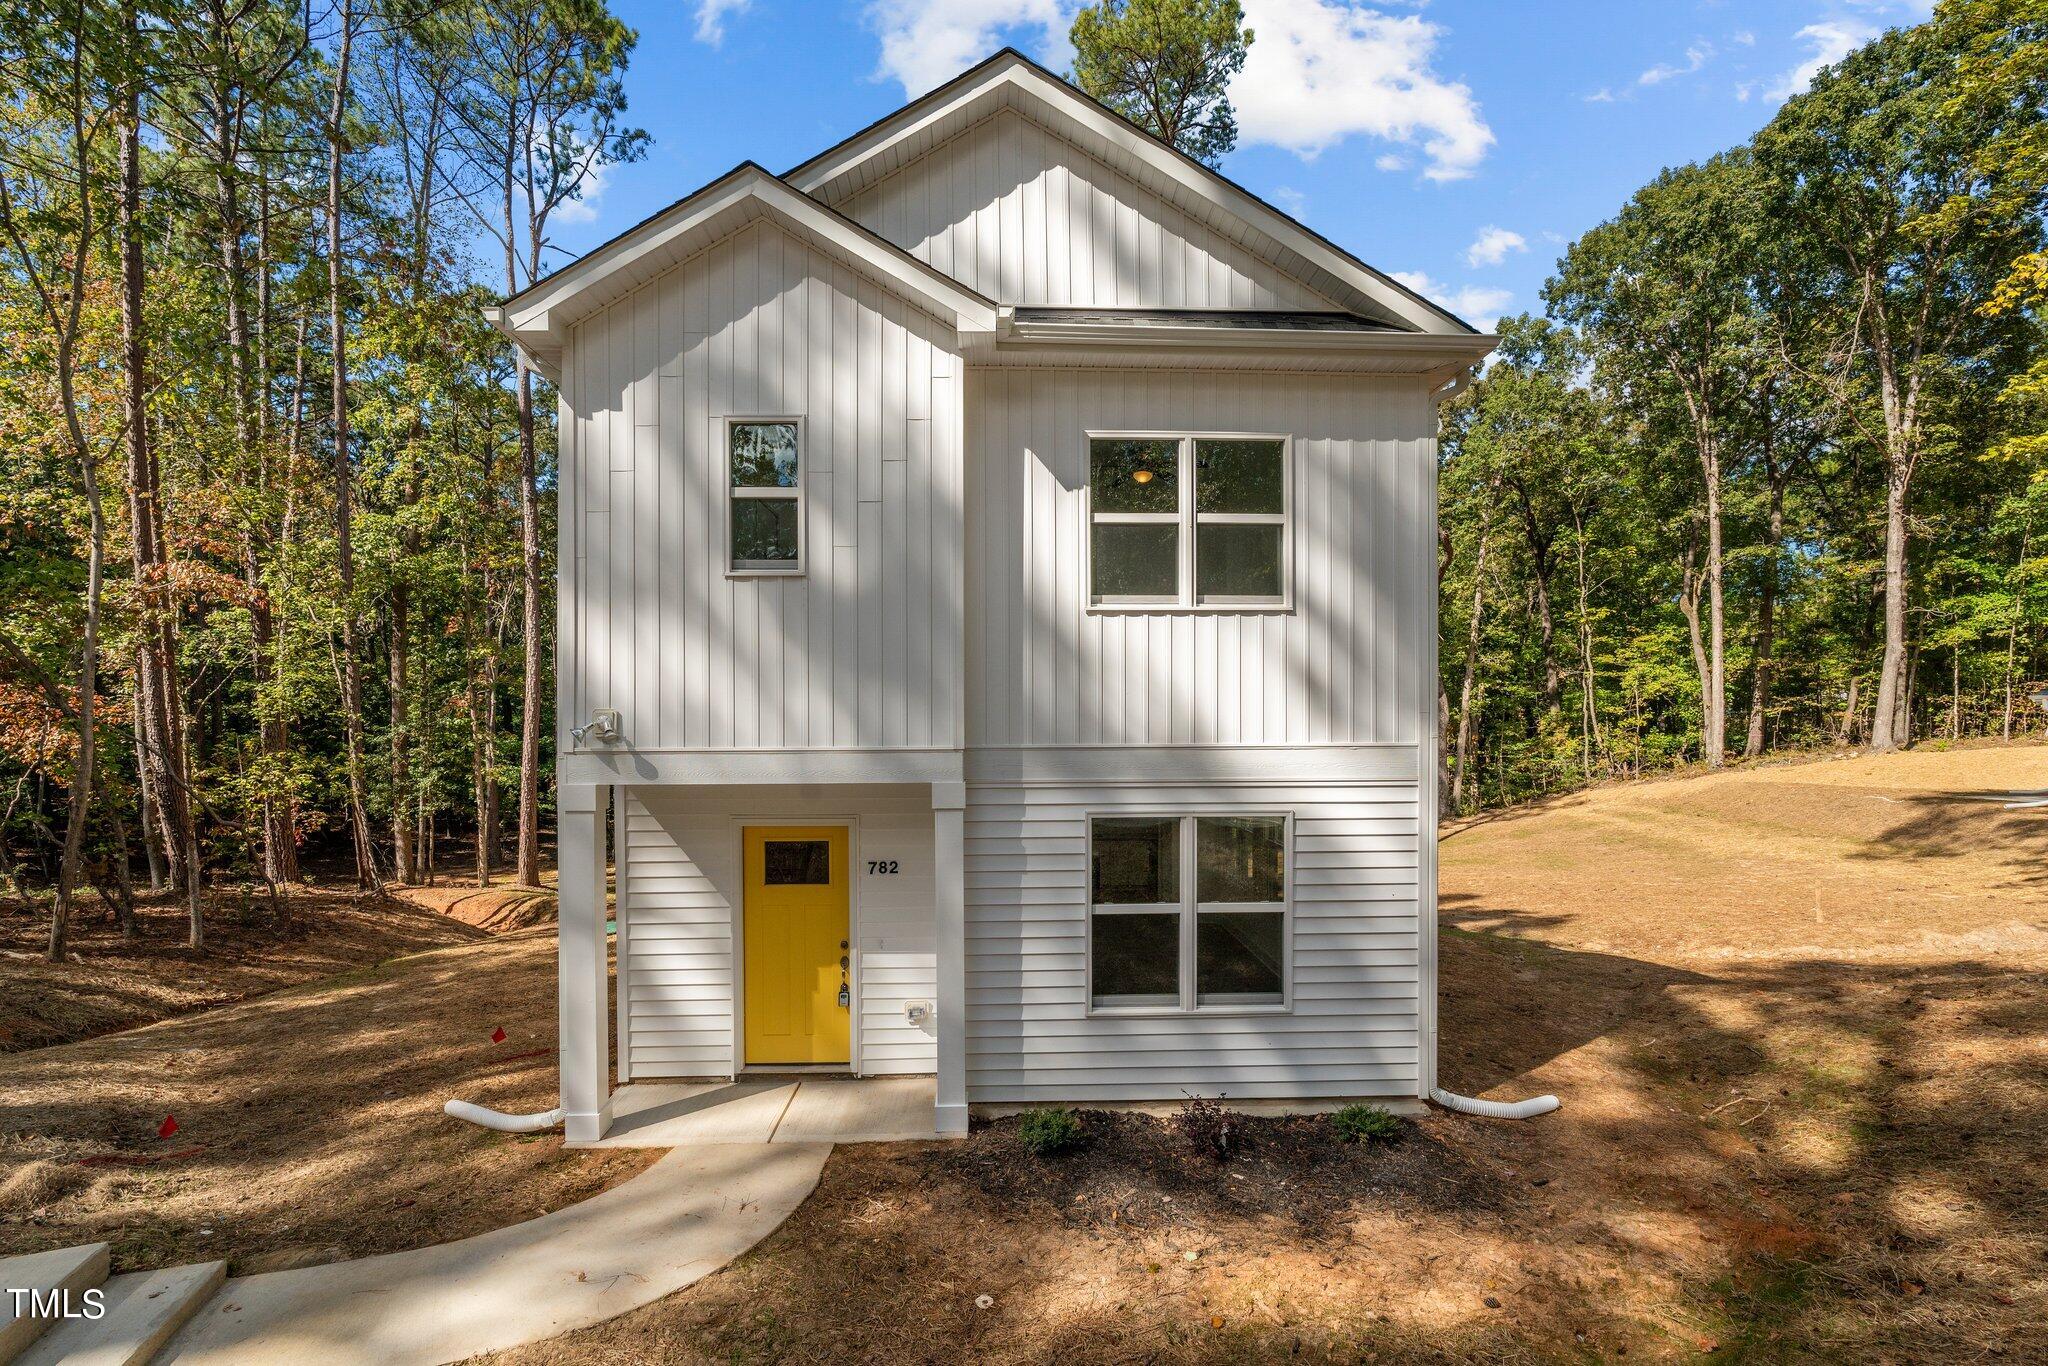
1188, 912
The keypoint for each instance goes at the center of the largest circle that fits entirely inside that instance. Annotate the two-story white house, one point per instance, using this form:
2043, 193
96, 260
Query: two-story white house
1007, 548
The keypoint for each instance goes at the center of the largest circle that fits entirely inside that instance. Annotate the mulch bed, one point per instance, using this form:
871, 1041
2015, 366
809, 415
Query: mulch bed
1141, 1171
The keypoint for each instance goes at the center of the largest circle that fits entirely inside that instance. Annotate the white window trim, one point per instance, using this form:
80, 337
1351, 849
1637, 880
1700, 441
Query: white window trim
1188, 520
768, 569
1189, 910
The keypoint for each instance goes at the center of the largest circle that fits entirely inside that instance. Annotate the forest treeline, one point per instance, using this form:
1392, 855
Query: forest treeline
276, 504
276, 514
1771, 470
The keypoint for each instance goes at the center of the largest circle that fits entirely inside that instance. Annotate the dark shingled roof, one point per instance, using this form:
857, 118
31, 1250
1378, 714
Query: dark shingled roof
1249, 319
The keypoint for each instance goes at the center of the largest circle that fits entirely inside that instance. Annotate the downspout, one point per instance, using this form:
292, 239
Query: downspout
1494, 1109
502, 1122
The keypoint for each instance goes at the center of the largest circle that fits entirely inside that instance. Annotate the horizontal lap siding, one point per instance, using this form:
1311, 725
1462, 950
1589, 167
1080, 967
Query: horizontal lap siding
861, 651
682, 882
1340, 668
1356, 954
1025, 217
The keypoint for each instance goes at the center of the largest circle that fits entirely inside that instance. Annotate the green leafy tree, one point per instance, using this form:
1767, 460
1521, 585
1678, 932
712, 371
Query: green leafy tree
1166, 65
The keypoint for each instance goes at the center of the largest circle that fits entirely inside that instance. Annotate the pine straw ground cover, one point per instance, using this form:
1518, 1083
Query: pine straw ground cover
309, 1124
1778, 1143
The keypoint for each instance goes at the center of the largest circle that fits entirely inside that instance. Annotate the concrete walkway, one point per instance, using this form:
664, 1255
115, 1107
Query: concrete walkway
808, 1110
675, 1223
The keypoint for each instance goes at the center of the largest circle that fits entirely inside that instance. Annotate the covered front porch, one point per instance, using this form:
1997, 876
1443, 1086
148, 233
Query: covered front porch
696, 912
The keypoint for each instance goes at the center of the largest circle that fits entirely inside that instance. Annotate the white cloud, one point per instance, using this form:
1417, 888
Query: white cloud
1318, 70
1826, 44
711, 15
1321, 70
1476, 304
1492, 246
1696, 56
928, 42
1291, 201
1391, 161
583, 208
1744, 38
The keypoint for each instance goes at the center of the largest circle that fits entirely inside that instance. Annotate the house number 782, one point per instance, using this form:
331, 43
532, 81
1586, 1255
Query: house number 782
882, 867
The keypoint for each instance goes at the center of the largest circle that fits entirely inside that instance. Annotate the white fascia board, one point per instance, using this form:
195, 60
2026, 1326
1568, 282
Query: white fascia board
1440, 346
539, 319
1014, 75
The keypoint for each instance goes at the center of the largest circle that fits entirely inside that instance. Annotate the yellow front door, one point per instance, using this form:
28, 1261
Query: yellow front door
796, 949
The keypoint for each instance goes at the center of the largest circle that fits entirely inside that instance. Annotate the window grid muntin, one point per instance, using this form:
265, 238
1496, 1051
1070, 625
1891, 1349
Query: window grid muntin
1189, 520
1190, 911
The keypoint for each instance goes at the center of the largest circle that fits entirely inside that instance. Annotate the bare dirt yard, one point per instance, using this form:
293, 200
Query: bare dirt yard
1798, 1017
308, 1124
252, 947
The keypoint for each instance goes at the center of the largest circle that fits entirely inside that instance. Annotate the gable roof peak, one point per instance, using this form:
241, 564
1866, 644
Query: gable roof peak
1010, 78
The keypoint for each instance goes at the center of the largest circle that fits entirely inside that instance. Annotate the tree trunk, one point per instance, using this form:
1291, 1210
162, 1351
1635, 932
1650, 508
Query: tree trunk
1766, 618
1467, 697
1715, 712
1887, 728
403, 869
528, 874
160, 739
151, 854
344, 548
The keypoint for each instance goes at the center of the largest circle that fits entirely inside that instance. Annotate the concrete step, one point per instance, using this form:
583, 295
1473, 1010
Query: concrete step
143, 1309
53, 1280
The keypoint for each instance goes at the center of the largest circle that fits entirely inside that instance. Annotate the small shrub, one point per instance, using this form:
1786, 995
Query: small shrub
1049, 1131
1366, 1124
1209, 1127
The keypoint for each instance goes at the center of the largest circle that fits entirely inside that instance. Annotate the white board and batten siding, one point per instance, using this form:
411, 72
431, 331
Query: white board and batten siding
1352, 1028
1340, 667
1320, 710
862, 650
680, 1003
1024, 216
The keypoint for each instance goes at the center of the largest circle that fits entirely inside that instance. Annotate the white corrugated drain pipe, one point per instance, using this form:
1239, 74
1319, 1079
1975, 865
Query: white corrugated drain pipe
1494, 1109
502, 1122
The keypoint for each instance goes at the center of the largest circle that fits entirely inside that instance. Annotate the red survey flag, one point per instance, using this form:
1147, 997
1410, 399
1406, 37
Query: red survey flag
498, 1034
168, 1127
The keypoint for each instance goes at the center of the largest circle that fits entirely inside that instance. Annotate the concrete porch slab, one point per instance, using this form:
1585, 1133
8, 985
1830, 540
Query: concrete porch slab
868, 1110
809, 1110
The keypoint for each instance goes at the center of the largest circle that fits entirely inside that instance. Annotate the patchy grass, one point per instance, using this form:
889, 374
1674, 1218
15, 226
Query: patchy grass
309, 1124
1783, 1138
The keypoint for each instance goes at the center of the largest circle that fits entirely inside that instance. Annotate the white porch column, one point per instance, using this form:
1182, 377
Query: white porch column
584, 1008
949, 907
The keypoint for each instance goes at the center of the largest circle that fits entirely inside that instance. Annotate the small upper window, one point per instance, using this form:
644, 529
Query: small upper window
1187, 521
767, 502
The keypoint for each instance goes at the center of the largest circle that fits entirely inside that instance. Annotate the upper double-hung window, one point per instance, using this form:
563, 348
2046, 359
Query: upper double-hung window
1188, 522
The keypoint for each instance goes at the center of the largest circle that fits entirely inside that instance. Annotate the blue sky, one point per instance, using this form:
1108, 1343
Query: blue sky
1458, 143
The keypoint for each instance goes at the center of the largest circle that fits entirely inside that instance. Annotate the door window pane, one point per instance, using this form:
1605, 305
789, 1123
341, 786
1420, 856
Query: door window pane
1235, 560
1137, 960
797, 863
1240, 859
1238, 957
1136, 560
1135, 476
764, 529
764, 455
1137, 861
1240, 476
